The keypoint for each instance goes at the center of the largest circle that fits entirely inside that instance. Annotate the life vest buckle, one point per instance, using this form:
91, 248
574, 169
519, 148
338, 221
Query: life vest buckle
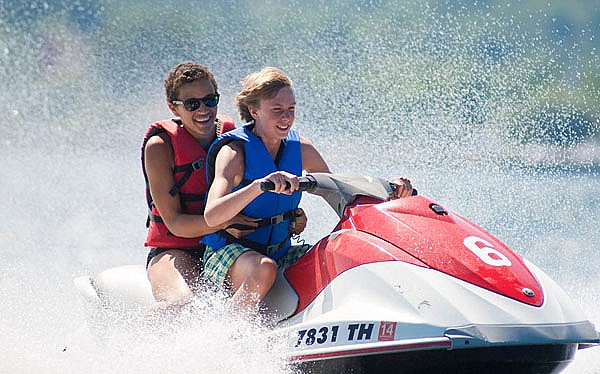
198, 164
277, 219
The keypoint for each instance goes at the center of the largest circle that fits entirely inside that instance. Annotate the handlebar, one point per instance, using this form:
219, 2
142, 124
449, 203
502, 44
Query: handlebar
394, 186
307, 183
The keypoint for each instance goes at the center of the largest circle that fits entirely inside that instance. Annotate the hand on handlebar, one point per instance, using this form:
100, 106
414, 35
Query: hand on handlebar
299, 224
306, 183
280, 182
403, 187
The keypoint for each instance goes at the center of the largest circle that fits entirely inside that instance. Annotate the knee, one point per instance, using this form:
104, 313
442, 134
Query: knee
265, 272
173, 295
253, 271
262, 274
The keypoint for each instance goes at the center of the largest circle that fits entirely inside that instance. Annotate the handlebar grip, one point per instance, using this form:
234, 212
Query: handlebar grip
307, 183
394, 186
269, 186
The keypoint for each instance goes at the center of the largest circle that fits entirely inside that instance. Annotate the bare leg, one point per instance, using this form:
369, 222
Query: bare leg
251, 277
171, 274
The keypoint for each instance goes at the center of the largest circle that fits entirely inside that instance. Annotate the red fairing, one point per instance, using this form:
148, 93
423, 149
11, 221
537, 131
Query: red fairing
334, 255
409, 230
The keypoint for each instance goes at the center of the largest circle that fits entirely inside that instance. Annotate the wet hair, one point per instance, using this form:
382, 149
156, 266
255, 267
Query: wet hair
263, 84
186, 72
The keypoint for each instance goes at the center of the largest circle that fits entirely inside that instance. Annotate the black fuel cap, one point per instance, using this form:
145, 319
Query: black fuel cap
438, 209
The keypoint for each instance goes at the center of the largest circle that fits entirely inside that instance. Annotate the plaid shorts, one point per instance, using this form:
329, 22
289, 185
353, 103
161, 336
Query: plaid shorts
218, 262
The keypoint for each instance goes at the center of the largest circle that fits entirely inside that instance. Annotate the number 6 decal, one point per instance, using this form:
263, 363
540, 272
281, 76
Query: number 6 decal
485, 251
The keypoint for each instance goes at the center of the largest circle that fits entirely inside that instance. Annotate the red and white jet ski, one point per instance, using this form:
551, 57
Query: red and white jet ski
403, 286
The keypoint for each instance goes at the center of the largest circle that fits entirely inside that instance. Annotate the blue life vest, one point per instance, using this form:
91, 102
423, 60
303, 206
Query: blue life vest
272, 237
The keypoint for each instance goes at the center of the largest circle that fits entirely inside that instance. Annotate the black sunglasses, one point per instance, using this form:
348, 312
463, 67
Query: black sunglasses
193, 103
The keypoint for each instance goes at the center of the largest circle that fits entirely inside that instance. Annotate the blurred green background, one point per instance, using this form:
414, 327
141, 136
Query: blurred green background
522, 75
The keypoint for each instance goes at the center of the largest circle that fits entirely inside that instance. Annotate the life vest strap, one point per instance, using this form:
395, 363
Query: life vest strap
191, 196
188, 169
156, 219
289, 215
260, 248
193, 166
184, 198
153, 217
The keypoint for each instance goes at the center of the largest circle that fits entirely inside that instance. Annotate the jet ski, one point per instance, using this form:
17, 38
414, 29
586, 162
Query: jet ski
401, 286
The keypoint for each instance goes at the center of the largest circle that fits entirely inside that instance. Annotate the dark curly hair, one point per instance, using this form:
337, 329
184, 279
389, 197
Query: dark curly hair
186, 72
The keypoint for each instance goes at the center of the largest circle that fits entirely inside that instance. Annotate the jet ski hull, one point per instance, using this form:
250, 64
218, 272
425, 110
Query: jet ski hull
537, 359
421, 320
401, 286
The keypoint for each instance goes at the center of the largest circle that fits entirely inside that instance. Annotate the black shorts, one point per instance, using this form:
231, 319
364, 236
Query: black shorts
197, 255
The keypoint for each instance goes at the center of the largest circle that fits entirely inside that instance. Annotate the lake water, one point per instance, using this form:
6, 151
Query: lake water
70, 216
441, 93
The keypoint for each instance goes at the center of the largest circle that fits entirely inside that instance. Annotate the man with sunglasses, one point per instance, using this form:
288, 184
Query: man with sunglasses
173, 162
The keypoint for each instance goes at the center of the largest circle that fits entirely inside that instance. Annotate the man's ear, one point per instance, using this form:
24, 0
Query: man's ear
173, 108
253, 112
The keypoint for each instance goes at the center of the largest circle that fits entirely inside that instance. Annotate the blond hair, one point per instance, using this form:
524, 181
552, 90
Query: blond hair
263, 84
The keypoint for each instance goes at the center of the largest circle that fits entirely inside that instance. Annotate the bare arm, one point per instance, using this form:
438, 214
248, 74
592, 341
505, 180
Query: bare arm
159, 164
222, 204
312, 161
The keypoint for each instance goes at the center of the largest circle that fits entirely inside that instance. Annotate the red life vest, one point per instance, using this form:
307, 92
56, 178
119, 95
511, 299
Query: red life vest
190, 180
